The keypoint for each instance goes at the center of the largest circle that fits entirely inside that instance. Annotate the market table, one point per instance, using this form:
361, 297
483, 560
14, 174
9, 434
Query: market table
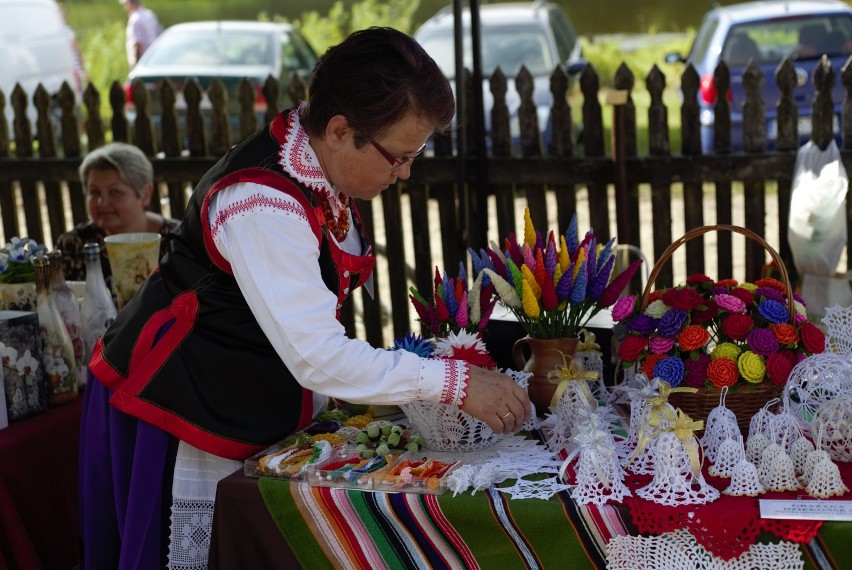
318, 527
38, 490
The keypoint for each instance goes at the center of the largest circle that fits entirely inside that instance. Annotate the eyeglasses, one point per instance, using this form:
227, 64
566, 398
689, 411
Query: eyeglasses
397, 163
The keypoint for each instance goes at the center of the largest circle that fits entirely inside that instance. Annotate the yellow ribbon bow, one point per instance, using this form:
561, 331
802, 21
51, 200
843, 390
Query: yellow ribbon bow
587, 342
684, 429
660, 402
569, 372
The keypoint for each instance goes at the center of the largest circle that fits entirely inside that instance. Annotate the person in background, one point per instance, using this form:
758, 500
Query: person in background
235, 341
118, 180
142, 28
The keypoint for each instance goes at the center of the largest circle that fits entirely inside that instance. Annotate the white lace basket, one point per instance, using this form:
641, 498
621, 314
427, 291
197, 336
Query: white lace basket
448, 428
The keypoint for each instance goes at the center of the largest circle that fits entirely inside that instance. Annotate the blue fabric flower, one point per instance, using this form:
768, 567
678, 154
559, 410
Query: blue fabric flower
670, 369
413, 343
773, 311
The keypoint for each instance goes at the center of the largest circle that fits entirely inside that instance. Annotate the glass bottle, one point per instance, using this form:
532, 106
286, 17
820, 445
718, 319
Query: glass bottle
58, 352
69, 308
98, 307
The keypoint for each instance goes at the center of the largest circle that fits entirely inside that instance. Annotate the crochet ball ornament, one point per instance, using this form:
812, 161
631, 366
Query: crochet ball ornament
814, 381
834, 420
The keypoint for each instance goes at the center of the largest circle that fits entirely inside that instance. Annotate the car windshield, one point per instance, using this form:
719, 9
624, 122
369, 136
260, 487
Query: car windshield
212, 48
506, 46
797, 38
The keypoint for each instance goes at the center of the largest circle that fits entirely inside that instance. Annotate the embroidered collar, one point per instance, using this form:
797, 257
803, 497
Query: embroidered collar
299, 160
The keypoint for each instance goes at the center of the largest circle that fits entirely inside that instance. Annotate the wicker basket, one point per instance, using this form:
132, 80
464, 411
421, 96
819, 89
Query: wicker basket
743, 399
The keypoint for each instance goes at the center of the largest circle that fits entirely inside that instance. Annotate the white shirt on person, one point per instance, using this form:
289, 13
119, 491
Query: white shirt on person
142, 28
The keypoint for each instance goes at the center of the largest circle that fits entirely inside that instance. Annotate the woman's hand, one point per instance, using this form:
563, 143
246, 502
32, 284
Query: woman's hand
494, 398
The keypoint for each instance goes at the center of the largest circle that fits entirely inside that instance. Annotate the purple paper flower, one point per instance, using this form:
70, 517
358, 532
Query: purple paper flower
762, 342
622, 308
773, 311
730, 303
550, 258
671, 322
642, 324
578, 289
670, 369
768, 293
662, 344
696, 371
563, 288
718, 290
600, 280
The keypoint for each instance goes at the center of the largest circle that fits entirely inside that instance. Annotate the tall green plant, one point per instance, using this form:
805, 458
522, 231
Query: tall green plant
324, 31
105, 59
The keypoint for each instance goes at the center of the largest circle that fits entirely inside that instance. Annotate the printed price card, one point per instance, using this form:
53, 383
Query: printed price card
809, 509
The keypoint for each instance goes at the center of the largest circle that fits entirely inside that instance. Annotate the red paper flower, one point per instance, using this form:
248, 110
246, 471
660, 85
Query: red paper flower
771, 283
705, 313
744, 295
785, 333
779, 366
812, 338
683, 298
693, 337
650, 362
632, 347
727, 283
737, 326
697, 279
722, 372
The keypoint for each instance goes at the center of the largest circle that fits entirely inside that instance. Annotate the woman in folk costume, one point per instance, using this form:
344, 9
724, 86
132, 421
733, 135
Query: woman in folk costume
234, 342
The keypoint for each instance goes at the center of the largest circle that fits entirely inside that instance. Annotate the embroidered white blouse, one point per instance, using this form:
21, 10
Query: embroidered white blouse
274, 257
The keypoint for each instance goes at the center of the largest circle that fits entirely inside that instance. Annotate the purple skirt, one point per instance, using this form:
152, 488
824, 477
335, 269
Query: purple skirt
125, 488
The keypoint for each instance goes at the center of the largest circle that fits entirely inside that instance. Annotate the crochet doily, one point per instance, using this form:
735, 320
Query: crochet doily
448, 428
512, 458
678, 550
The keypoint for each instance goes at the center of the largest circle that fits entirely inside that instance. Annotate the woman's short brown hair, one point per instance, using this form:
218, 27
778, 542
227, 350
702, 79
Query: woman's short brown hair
374, 78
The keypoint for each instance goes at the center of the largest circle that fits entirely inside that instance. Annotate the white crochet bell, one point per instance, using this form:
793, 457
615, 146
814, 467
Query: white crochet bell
599, 476
744, 481
729, 454
786, 429
762, 421
767, 458
779, 475
811, 460
721, 424
677, 470
799, 453
834, 419
755, 446
825, 480
573, 394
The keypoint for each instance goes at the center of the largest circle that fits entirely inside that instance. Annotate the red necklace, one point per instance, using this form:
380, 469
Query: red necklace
339, 226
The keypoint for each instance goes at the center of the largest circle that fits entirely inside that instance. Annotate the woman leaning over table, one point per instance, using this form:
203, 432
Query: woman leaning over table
118, 180
227, 348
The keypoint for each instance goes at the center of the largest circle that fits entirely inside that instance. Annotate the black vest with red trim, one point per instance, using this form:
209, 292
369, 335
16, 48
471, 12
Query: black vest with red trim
187, 354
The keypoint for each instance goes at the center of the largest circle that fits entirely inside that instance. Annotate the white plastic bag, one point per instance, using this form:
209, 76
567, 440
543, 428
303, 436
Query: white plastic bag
817, 230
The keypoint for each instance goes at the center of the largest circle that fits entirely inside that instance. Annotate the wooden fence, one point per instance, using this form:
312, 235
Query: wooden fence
432, 210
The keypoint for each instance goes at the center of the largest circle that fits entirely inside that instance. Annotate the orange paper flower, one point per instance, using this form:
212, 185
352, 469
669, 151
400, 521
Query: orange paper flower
693, 337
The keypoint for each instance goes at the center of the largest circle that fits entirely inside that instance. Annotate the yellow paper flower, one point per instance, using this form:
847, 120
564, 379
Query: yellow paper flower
531, 307
726, 350
530, 278
564, 258
581, 255
751, 367
529, 229
750, 287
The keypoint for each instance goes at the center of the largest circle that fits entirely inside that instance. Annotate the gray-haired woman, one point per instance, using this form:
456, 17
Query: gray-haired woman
118, 180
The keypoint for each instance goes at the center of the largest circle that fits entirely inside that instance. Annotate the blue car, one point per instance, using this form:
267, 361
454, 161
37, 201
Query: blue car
767, 32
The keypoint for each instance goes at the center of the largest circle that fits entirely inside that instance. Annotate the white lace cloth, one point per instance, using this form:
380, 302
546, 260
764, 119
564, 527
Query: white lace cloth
678, 550
193, 497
